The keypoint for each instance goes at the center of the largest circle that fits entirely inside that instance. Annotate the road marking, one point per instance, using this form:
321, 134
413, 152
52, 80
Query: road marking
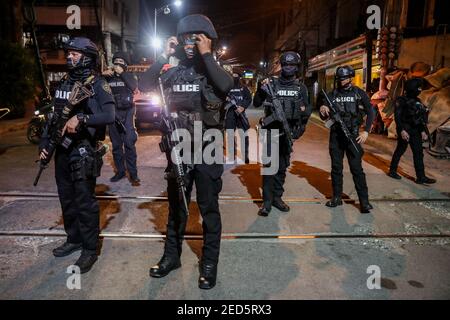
228, 236
49, 196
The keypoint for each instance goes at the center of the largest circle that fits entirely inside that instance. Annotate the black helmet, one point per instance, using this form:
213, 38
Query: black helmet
196, 23
83, 45
413, 87
290, 57
121, 55
344, 72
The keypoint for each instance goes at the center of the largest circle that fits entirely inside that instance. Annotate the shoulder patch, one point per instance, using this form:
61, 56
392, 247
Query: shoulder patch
106, 87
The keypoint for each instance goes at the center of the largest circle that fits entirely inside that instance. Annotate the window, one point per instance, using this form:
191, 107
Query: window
442, 12
115, 8
416, 13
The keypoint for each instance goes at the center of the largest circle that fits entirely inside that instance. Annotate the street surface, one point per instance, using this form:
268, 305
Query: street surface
312, 252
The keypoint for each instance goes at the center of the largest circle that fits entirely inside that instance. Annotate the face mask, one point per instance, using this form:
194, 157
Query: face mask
289, 70
83, 62
119, 68
190, 52
71, 64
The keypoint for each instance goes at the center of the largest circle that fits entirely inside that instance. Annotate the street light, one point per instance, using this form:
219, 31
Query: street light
166, 10
156, 43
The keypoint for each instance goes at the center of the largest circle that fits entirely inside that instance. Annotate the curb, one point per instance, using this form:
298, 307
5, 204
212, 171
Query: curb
16, 125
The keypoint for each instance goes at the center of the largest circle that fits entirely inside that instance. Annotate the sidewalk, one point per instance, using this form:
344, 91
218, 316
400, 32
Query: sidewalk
13, 125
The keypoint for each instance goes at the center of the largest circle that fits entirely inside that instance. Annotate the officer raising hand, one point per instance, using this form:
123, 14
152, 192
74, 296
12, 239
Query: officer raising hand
193, 90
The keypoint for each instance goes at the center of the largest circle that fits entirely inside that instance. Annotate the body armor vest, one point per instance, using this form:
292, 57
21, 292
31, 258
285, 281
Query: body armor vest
291, 98
61, 99
123, 95
190, 93
348, 103
412, 111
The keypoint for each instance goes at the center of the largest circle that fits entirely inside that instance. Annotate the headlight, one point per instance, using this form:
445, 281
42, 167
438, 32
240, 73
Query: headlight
155, 100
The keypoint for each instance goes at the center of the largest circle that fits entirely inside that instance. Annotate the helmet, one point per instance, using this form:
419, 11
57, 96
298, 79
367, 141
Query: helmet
290, 57
413, 87
196, 23
290, 62
344, 72
83, 45
121, 55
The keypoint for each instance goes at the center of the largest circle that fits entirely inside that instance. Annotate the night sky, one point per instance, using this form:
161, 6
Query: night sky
240, 23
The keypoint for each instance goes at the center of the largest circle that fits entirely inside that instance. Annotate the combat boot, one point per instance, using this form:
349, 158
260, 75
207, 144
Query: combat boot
164, 267
208, 276
280, 205
334, 202
66, 249
86, 261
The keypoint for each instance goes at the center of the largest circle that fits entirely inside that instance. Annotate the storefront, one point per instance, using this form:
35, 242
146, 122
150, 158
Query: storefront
322, 67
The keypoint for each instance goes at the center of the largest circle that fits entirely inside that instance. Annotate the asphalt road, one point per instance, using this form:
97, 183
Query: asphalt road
312, 252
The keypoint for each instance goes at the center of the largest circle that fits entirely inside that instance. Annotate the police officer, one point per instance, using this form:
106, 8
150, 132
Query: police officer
239, 99
196, 90
352, 104
411, 118
77, 161
123, 132
296, 107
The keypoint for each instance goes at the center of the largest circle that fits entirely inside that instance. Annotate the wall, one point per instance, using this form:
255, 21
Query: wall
423, 49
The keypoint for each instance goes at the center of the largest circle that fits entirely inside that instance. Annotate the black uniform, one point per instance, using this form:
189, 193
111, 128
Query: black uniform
196, 90
294, 95
78, 159
239, 96
123, 132
411, 116
77, 191
352, 103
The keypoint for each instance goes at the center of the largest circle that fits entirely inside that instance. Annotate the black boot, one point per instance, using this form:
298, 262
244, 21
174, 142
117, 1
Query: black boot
118, 176
135, 181
164, 266
86, 261
208, 276
280, 205
394, 175
66, 249
334, 202
263, 211
365, 207
425, 180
